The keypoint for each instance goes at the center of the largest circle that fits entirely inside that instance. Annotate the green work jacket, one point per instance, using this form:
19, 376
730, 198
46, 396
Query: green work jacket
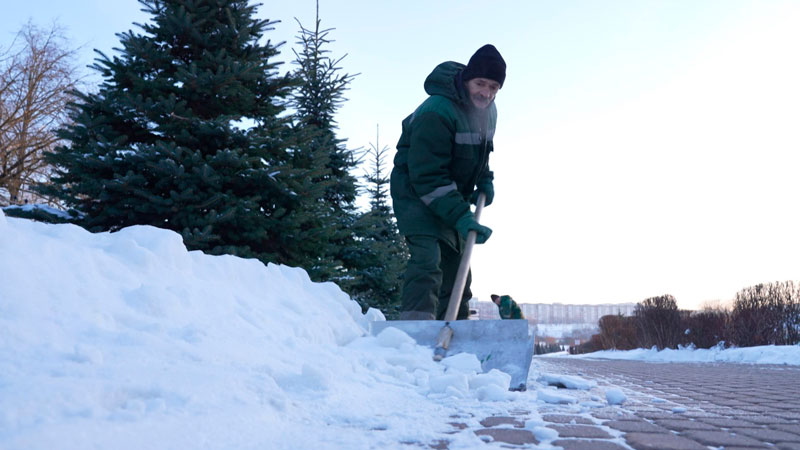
443, 152
509, 308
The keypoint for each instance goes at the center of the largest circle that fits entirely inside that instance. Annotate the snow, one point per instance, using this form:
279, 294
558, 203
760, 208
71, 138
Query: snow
542, 433
768, 354
615, 396
45, 208
127, 340
567, 381
554, 396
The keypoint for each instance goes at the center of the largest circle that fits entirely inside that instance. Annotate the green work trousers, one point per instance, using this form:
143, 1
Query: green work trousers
429, 279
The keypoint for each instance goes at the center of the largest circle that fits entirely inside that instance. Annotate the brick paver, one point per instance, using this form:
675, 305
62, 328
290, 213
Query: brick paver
661, 441
641, 426
685, 406
790, 427
587, 444
501, 420
566, 418
768, 435
580, 431
508, 435
722, 439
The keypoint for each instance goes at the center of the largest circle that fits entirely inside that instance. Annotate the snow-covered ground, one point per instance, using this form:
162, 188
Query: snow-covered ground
783, 354
128, 341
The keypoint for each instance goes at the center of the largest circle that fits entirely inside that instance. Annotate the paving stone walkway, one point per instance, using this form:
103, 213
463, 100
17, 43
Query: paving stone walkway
669, 406
696, 405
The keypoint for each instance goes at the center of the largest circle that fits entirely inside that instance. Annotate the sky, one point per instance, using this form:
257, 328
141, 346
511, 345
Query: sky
128, 341
643, 147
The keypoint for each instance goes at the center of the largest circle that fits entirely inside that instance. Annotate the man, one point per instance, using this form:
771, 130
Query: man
509, 309
442, 164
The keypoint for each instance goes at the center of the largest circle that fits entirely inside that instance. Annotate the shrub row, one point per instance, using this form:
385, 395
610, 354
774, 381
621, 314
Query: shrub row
765, 314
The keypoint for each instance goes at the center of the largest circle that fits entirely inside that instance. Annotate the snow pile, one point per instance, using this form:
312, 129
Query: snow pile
127, 340
566, 381
766, 354
555, 397
553, 382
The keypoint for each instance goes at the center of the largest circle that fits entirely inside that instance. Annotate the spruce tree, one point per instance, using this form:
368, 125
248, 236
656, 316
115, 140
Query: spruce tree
330, 189
164, 141
383, 252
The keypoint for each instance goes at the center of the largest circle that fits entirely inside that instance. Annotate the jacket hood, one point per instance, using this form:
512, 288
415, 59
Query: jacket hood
442, 81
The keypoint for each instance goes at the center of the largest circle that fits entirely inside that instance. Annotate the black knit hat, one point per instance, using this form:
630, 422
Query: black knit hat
494, 297
486, 63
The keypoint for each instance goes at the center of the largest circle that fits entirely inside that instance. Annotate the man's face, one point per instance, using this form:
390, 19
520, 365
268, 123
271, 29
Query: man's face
482, 91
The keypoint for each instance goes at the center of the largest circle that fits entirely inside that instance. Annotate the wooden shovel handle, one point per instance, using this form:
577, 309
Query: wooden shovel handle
463, 267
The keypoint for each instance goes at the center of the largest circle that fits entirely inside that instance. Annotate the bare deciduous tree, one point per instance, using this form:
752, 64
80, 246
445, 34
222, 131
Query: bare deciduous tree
618, 332
37, 74
659, 322
708, 327
767, 314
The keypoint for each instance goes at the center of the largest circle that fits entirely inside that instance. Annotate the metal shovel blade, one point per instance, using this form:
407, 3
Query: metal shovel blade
505, 345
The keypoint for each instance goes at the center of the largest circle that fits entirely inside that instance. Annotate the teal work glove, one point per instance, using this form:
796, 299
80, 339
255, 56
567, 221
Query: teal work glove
467, 222
487, 188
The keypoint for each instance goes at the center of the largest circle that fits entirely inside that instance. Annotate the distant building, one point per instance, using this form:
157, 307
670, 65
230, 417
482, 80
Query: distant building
485, 310
557, 322
560, 313
553, 313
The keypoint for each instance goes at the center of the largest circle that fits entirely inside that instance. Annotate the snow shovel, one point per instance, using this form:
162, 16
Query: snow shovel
505, 345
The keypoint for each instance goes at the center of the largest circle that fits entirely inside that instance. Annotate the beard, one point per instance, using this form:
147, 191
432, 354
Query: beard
480, 101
